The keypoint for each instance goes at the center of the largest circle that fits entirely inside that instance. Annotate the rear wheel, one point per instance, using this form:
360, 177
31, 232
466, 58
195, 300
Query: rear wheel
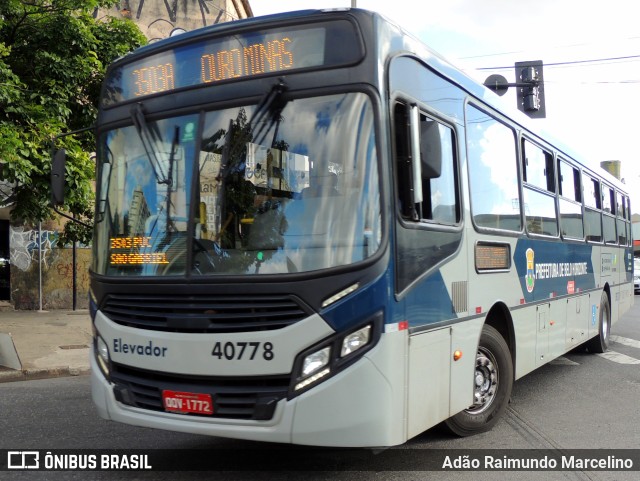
600, 343
493, 380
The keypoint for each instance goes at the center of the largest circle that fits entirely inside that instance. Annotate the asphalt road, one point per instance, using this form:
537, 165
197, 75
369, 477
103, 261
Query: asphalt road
580, 401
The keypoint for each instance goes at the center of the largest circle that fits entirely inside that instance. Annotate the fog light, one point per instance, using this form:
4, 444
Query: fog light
356, 340
102, 355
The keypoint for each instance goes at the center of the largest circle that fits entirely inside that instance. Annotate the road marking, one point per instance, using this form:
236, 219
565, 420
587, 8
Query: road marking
563, 361
619, 358
625, 341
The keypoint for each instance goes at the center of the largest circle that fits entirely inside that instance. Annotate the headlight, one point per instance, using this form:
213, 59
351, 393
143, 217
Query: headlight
315, 361
334, 354
312, 367
102, 355
356, 340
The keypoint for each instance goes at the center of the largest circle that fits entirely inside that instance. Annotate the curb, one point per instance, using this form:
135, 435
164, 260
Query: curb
11, 375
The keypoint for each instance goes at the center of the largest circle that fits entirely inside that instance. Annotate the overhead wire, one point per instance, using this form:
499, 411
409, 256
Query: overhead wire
594, 62
633, 58
598, 62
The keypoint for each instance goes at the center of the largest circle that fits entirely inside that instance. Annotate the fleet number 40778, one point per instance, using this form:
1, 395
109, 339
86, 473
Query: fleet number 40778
243, 350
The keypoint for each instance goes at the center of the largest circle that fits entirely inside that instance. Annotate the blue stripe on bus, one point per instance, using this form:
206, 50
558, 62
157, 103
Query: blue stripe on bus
426, 303
547, 269
429, 302
363, 304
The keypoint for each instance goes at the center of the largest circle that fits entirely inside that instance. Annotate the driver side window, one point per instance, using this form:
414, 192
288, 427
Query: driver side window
433, 197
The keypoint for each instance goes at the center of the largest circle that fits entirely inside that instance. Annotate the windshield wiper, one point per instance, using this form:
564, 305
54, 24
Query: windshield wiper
272, 105
174, 147
150, 141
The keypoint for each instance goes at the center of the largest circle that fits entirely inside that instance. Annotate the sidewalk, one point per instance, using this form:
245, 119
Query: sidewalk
48, 344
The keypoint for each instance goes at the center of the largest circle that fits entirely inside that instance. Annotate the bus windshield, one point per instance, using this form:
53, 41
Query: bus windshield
240, 192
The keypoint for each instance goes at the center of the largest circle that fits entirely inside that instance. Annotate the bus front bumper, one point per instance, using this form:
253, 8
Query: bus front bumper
357, 407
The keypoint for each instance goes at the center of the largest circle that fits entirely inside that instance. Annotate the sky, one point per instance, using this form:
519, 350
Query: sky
592, 93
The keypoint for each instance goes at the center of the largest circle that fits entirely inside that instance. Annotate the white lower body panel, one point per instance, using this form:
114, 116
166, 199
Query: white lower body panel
364, 405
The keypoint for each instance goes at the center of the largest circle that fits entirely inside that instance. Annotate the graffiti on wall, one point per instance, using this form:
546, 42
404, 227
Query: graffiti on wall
158, 19
26, 246
188, 8
64, 270
56, 273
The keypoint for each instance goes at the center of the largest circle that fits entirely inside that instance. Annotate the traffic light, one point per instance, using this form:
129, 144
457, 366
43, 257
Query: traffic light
530, 84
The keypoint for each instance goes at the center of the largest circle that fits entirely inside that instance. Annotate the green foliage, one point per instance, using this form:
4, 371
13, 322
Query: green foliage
53, 57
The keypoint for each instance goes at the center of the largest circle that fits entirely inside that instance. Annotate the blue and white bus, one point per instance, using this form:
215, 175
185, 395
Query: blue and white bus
312, 229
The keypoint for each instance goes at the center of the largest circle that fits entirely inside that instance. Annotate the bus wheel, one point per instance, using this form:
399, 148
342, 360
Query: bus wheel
600, 343
493, 380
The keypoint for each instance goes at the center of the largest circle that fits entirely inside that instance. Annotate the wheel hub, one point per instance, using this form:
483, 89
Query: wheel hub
486, 381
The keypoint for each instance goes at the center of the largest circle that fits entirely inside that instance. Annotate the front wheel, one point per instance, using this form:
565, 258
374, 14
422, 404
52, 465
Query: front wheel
600, 343
493, 380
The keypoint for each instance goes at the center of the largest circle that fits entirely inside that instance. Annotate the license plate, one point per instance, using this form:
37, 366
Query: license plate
187, 402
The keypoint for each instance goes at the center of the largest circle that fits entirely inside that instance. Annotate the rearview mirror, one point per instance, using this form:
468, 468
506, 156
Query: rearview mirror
430, 149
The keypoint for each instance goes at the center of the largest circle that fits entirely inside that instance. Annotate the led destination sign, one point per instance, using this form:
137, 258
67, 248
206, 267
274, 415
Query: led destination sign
266, 57
124, 252
153, 79
206, 62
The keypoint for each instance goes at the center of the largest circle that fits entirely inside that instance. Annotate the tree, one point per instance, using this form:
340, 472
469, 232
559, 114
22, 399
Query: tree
53, 57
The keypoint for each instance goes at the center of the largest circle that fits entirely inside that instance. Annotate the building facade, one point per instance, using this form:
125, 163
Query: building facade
160, 19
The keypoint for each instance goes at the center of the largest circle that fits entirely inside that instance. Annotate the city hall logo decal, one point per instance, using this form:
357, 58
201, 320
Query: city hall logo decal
554, 271
530, 277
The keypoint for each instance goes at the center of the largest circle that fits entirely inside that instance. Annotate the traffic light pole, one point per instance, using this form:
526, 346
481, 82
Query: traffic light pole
530, 93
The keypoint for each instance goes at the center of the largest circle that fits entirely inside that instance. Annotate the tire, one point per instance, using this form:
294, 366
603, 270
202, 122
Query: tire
600, 343
493, 380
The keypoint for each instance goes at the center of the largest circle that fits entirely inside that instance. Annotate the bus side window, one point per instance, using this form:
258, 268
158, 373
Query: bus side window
539, 190
438, 188
438, 181
592, 204
608, 214
493, 172
620, 220
628, 218
429, 206
570, 201
403, 161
